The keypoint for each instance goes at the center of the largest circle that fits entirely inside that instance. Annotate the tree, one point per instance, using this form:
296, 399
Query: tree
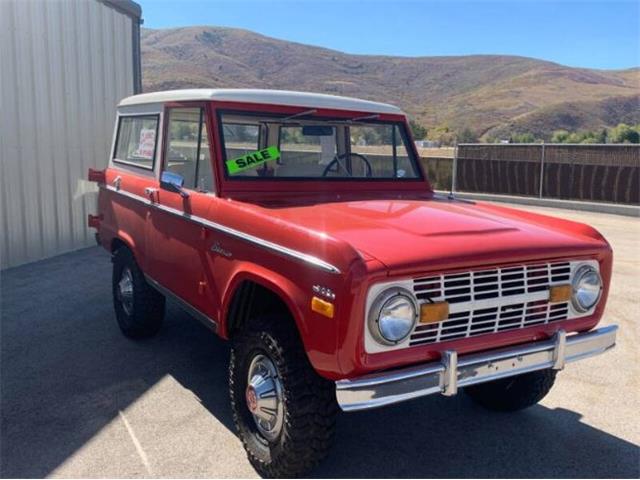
559, 136
621, 134
602, 136
442, 135
576, 137
522, 138
419, 132
467, 136
624, 133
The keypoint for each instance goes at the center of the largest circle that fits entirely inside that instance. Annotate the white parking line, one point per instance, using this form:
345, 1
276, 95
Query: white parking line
136, 443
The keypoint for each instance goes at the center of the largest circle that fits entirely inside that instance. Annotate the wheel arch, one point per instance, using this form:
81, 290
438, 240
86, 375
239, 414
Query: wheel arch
279, 294
117, 243
122, 239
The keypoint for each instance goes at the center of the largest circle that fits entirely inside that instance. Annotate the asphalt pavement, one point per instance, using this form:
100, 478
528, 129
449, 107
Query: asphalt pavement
80, 400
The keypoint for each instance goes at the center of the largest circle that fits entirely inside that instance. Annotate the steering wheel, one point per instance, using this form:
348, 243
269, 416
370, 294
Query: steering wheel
337, 158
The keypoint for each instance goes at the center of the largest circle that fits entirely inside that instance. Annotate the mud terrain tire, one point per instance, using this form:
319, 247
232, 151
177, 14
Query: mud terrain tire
308, 400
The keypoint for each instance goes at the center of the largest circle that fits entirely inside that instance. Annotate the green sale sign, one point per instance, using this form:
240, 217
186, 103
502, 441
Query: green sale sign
252, 160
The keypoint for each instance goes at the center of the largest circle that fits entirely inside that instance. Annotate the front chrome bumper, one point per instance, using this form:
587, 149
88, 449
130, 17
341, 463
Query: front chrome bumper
446, 376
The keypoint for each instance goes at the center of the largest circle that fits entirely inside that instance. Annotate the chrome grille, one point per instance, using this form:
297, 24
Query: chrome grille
494, 300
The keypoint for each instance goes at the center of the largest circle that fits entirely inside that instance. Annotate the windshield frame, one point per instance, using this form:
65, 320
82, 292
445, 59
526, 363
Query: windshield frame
401, 124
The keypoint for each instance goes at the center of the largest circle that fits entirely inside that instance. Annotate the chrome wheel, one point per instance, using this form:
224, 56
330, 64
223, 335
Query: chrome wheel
264, 397
125, 291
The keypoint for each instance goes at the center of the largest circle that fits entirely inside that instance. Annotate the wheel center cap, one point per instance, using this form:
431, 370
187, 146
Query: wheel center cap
252, 399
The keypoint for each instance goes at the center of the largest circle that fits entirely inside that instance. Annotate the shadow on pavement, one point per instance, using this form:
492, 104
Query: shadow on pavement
439, 437
65, 372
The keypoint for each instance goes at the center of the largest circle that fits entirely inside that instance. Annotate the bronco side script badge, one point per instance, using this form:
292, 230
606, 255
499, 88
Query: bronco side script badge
252, 160
216, 248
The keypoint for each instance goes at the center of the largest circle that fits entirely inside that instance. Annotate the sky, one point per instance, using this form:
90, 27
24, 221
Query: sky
593, 34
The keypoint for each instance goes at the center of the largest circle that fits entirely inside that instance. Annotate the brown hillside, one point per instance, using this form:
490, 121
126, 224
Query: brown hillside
481, 92
573, 116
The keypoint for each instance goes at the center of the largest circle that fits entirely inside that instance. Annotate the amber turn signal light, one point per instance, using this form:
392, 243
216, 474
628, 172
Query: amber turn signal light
434, 312
560, 293
322, 307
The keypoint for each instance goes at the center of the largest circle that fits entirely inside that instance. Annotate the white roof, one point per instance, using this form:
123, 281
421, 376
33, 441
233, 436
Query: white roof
270, 97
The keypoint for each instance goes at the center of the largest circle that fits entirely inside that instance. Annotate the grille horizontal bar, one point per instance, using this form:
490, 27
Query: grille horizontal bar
494, 300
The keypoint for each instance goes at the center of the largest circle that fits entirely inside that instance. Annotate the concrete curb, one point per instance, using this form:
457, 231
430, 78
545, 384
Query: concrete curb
611, 208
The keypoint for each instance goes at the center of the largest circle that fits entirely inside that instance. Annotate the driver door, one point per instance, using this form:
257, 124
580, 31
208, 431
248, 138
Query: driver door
176, 242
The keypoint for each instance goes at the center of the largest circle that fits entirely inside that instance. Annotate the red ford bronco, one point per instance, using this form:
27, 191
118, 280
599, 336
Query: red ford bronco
302, 228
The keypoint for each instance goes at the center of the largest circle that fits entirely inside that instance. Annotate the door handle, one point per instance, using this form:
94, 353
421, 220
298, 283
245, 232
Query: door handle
150, 192
116, 182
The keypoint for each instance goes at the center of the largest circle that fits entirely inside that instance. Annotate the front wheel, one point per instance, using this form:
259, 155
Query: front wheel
283, 410
513, 393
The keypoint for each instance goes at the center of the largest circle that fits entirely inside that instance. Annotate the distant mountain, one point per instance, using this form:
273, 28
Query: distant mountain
490, 94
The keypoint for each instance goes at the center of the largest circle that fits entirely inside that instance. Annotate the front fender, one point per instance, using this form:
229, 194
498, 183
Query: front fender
318, 333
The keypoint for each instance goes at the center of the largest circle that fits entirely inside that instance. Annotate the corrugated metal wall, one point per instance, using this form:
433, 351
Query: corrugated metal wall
64, 65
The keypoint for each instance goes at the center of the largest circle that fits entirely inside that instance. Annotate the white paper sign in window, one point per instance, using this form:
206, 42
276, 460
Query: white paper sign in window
147, 143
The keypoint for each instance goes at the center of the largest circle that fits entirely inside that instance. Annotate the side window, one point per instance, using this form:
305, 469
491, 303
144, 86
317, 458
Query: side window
188, 148
136, 141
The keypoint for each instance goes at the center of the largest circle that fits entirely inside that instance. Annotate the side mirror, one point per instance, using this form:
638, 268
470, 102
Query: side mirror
173, 182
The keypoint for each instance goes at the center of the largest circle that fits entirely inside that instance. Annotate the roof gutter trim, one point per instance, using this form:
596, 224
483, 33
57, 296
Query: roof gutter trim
127, 7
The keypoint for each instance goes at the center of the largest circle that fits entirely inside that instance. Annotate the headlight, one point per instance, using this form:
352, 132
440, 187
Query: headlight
392, 316
587, 287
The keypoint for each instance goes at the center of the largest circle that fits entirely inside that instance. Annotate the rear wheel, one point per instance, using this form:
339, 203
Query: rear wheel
513, 393
139, 307
283, 410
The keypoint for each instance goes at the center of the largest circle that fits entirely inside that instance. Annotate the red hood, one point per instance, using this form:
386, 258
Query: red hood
410, 235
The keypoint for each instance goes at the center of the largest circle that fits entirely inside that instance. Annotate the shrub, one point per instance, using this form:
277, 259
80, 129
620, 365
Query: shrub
467, 136
419, 132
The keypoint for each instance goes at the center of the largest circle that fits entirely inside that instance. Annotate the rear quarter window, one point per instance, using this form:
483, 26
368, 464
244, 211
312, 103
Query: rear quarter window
137, 140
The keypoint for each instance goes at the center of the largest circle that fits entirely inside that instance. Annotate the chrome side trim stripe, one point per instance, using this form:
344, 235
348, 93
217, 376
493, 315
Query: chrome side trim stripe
301, 256
187, 307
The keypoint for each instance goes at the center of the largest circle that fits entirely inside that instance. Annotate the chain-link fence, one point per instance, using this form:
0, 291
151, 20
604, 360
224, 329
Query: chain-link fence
600, 173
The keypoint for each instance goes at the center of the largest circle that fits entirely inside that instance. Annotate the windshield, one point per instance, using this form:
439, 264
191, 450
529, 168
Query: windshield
302, 147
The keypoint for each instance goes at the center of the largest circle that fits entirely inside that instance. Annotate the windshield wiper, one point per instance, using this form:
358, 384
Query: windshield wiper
301, 114
366, 117
351, 121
